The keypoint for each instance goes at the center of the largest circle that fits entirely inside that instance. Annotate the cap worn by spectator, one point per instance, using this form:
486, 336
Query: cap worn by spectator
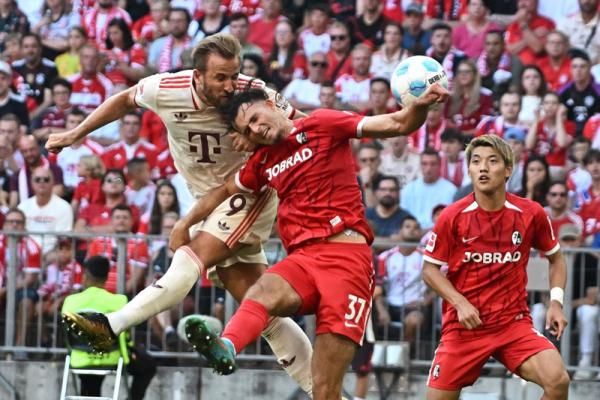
514, 134
5, 68
414, 8
569, 232
97, 266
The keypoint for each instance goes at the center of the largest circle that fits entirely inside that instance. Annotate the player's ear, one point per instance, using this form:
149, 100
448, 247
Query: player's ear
270, 103
198, 78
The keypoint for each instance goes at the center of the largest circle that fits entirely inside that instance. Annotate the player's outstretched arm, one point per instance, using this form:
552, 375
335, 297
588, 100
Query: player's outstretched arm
406, 121
180, 234
468, 315
111, 110
555, 319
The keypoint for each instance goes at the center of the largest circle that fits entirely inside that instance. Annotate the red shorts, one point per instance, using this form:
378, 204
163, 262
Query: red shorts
461, 354
335, 282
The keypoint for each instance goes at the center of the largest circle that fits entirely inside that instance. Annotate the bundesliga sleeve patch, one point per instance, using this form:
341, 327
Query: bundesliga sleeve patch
431, 242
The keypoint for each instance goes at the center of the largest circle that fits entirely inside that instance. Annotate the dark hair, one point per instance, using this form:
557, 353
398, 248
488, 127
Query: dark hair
559, 182
289, 59
260, 66
380, 79
591, 156
369, 146
16, 210
77, 111
497, 32
331, 84
440, 26
543, 86
580, 53
581, 139
11, 117
188, 17
319, 6
125, 31
97, 267
393, 23
431, 152
450, 134
237, 16
380, 178
134, 113
156, 215
114, 171
136, 161
121, 207
79, 29
541, 189
230, 111
33, 35
61, 82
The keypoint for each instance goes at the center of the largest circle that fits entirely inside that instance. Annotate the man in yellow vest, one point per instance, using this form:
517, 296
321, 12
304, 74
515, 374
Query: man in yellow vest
96, 299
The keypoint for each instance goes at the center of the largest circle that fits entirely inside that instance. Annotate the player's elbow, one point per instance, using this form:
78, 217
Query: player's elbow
427, 273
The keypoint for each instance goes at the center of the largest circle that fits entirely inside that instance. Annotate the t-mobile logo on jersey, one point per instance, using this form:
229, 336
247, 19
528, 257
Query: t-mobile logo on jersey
204, 150
298, 157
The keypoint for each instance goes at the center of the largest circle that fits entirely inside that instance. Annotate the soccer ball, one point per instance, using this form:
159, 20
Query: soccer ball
413, 76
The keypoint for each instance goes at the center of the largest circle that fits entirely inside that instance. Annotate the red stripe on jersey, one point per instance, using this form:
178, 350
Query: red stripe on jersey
248, 220
193, 99
173, 86
175, 79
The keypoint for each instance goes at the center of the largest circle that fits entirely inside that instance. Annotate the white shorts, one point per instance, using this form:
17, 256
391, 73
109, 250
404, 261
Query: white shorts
242, 219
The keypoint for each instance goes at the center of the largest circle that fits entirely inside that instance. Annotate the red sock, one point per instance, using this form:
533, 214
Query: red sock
247, 324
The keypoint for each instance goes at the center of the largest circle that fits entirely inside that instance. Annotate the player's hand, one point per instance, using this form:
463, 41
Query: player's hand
241, 143
468, 315
180, 235
57, 141
555, 320
436, 93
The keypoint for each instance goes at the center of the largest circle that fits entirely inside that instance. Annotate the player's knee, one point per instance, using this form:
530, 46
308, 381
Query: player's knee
558, 384
324, 387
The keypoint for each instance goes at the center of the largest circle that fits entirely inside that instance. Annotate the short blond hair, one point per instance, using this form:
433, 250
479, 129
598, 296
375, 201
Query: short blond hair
496, 143
222, 44
94, 164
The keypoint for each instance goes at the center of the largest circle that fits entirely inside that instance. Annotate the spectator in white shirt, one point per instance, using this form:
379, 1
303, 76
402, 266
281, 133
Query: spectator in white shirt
420, 196
303, 94
140, 189
354, 88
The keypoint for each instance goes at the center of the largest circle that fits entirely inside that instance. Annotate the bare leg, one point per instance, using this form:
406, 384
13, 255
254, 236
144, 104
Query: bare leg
332, 356
437, 394
546, 368
412, 322
362, 386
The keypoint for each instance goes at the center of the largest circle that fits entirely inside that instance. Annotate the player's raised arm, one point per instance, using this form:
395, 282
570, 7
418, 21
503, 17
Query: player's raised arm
555, 319
111, 110
468, 315
406, 121
204, 206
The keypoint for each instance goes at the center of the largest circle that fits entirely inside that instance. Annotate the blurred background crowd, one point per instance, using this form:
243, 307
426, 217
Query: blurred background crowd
526, 70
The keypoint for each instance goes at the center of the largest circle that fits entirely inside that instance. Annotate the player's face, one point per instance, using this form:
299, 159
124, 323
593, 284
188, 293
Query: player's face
218, 83
487, 170
261, 122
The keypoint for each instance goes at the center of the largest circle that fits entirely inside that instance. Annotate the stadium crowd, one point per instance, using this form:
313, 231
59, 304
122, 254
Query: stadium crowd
526, 70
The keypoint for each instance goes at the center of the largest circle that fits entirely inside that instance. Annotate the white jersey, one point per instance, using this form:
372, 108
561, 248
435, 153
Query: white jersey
403, 276
198, 137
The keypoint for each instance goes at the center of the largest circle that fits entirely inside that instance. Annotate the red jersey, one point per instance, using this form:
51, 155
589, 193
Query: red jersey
99, 214
318, 194
468, 122
120, 153
450, 10
556, 77
135, 57
487, 255
496, 125
88, 94
164, 166
96, 23
87, 193
591, 130
137, 257
62, 281
154, 130
587, 205
54, 117
392, 10
427, 136
262, 33
29, 257
546, 145
540, 26
568, 217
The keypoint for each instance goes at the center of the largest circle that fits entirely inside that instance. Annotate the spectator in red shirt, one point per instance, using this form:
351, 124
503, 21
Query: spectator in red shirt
446, 10
20, 186
89, 190
54, 118
96, 20
286, 62
430, 134
96, 217
526, 36
239, 27
338, 57
551, 134
29, 262
315, 38
469, 102
150, 27
262, 26
510, 106
556, 66
122, 221
131, 145
125, 59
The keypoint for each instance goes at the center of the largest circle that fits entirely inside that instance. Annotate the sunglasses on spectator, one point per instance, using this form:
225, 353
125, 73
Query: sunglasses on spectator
41, 179
338, 37
318, 64
559, 194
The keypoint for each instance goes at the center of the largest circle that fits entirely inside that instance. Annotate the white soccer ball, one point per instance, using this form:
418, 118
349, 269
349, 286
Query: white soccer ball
413, 76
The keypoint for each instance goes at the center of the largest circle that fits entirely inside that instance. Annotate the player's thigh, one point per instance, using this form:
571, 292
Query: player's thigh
239, 277
210, 249
332, 355
439, 394
277, 295
545, 368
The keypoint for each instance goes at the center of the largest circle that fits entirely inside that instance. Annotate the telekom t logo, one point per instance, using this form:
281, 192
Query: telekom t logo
204, 150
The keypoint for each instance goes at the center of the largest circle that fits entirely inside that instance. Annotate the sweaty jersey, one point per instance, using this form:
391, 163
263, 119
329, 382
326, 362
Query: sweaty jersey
198, 137
312, 171
487, 255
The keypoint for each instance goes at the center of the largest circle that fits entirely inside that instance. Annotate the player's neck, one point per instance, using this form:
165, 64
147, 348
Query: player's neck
491, 202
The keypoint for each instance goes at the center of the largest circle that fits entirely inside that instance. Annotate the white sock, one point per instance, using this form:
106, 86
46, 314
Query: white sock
291, 345
161, 295
358, 398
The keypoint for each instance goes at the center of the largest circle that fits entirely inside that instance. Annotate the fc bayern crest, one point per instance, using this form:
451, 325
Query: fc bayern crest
516, 238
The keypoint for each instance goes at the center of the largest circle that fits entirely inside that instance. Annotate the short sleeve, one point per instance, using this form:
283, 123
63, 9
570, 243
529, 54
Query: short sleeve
250, 178
34, 257
341, 124
437, 249
146, 92
544, 236
282, 104
141, 256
